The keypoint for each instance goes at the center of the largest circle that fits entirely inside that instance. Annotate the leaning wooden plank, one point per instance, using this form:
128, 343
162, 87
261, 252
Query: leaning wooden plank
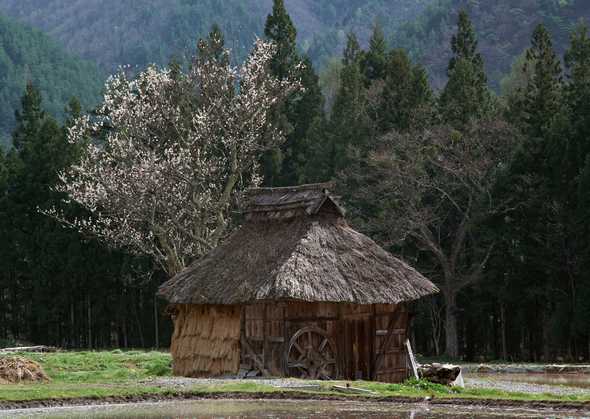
412, 359
346, 389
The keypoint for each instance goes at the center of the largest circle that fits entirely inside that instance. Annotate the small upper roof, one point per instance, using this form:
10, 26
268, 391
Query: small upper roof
291, 201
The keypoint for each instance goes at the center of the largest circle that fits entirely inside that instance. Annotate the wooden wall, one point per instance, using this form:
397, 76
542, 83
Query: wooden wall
368, 340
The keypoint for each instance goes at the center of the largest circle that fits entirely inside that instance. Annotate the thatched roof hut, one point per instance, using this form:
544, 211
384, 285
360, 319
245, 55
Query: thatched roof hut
294, 251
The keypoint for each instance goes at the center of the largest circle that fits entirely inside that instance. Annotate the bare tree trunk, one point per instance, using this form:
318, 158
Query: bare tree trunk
451, 337
503, 331
156, 325
138, 322
89, 323
546, 335
72, 337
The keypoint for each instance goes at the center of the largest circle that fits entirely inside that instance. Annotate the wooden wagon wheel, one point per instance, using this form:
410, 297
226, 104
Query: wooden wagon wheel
311, 354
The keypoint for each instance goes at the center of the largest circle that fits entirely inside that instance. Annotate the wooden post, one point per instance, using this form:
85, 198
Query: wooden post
412, 359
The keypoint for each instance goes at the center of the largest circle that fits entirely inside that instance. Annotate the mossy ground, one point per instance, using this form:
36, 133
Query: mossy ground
127, 373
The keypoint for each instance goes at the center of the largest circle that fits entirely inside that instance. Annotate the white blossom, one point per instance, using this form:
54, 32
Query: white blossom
168, 155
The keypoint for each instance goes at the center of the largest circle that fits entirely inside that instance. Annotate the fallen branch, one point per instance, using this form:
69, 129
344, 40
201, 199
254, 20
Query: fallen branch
39, 348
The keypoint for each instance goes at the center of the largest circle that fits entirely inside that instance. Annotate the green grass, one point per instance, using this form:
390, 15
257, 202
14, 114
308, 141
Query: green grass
102, 367
122, 373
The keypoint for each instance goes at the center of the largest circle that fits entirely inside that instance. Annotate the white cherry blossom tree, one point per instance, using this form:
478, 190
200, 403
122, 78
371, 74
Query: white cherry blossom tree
168, 154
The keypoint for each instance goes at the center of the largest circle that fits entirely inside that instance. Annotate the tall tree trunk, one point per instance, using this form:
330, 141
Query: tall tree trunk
89, 323
451, 338
503, 331
546, 333
156, 324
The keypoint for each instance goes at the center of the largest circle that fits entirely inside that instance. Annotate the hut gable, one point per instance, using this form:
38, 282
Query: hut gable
296, 245
290, 202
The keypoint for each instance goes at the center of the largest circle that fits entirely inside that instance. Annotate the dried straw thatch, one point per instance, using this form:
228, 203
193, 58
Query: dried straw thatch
296, 245
206, 340
16, 369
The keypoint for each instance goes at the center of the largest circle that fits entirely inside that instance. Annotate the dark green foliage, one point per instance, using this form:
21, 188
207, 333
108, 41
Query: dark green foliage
374, 61
350, 128
465, 97
213, 48
60, 288
285, 165
306, 112
28, 56
279, 28
542, 95
352, 52
407, 98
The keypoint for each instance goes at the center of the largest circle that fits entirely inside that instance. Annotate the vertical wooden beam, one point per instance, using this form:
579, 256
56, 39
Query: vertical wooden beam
264, 335
372, 333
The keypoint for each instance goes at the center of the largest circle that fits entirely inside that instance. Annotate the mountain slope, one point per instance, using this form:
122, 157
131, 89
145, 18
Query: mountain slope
27, 55
138, 32
504, 29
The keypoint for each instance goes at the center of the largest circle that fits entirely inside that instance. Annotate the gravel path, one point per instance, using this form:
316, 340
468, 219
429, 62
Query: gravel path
520, 387
183, 382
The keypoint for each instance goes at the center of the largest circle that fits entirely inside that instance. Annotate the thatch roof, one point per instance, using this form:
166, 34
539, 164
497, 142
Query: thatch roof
296, 245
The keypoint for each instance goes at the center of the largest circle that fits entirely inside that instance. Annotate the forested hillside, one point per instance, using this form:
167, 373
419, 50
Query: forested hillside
114, 33
27, 55
503, 27
138, 32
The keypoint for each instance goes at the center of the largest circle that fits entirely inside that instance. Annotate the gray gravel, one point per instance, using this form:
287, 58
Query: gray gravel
184, 382
520, 387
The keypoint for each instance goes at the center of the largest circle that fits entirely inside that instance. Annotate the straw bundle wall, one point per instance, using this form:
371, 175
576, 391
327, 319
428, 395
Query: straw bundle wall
206, 340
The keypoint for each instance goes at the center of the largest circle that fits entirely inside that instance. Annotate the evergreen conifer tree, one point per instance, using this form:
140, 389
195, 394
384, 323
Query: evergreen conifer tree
407, 97
375, 59
542, 95
466, 96
286, 165
280, 29
352, 52
350, 126
29, 118
213, 47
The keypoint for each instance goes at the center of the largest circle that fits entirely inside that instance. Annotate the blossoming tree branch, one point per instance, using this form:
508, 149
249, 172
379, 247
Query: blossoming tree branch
168, 154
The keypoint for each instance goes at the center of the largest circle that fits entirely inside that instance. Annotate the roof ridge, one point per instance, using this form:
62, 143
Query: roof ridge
305, 187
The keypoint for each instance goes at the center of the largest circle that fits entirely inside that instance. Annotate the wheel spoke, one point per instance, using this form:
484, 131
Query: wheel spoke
296, 365
323, 345
296, 346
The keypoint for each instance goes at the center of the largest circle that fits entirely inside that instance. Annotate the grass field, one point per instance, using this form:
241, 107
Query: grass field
128, 373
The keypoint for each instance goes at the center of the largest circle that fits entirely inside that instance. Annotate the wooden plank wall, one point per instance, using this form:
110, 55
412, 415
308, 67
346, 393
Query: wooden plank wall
369, 343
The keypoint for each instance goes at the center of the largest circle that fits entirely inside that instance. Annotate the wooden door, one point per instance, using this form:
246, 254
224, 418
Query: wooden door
356, 343
391, 324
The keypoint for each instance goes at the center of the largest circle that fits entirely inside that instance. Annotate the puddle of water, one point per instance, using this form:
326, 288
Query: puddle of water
571, 380
233, 409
